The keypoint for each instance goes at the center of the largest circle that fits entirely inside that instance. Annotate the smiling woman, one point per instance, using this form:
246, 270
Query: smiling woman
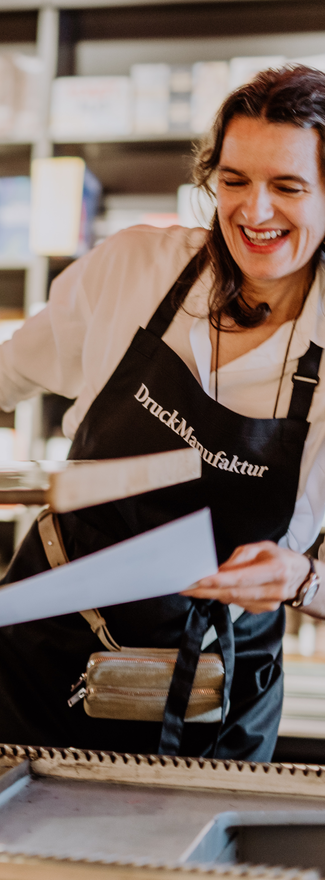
265, 157
228, 359
271, 204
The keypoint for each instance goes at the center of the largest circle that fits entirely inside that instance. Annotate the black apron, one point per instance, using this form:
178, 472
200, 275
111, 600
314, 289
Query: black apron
250, 474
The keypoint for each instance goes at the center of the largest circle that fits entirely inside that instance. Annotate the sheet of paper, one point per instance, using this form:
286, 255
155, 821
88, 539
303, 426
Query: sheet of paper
160, 562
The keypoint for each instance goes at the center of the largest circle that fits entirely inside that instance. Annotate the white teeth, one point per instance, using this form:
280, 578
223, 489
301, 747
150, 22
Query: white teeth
263, 236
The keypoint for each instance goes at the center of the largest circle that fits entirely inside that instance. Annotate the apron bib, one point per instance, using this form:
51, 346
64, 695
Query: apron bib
250, 473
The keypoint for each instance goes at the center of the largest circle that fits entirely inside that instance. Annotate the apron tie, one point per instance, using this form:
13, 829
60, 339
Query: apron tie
183, 677
220, 616
185, 668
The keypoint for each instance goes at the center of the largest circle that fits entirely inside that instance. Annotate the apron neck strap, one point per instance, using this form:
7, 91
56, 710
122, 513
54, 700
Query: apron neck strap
166, 311
305, 380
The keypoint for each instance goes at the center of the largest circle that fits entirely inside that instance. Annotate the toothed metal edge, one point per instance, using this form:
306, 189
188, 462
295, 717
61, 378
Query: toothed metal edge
308, 780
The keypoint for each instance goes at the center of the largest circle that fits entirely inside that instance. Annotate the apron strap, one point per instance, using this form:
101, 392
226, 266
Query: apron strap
55, 552
183, 677
166, 311
220, 615
200, 614
305, 380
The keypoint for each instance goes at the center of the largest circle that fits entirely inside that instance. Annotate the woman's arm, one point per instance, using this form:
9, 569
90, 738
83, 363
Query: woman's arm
259, 577
46, 353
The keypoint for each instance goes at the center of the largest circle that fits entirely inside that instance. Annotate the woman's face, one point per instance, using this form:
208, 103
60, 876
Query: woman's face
271, 197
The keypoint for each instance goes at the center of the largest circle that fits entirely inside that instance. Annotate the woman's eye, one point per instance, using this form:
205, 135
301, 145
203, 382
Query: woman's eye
234, 182
289, 189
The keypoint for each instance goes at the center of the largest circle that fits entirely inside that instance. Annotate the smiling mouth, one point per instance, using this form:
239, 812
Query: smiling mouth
265, 236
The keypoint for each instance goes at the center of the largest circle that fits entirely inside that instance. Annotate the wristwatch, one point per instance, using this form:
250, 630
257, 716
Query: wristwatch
308, 589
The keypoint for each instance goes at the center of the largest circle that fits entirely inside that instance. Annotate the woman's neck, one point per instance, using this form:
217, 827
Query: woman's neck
284, 296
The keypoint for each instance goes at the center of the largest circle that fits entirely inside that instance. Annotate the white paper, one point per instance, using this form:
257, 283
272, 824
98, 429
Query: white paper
160, 562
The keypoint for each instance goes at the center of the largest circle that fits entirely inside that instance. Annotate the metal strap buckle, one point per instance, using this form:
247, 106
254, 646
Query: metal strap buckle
297, 378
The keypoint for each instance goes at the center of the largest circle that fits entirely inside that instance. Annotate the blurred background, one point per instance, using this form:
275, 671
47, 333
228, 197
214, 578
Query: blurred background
100, 106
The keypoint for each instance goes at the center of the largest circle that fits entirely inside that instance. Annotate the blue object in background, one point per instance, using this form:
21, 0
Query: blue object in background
90, 202
15, 199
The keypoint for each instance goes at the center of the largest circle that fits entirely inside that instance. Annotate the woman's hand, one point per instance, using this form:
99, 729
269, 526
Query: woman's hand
259, 577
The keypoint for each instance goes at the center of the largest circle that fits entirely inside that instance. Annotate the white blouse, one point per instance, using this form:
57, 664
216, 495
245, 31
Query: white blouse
96, 305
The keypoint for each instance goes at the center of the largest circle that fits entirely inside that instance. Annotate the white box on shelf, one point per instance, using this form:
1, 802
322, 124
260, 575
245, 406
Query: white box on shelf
150, 85
316, 61
64, 201
20, 94
123, 211
57, 448
194, 207
57, 186
7, 444
180, 97
210, 86
90, 107
242, 70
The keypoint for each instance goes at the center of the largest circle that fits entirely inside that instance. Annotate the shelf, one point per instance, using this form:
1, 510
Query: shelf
11, 512
14, 142
8, 265
11, 5
145, 139
136, 167
304, 698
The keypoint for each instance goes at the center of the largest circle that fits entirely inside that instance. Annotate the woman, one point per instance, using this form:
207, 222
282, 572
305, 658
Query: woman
212, 368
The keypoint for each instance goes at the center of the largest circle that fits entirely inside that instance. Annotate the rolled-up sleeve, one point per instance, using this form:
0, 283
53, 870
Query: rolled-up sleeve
45, 354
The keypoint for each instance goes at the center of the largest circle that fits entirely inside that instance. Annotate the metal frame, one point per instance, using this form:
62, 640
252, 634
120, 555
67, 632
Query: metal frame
151, 770
159, 770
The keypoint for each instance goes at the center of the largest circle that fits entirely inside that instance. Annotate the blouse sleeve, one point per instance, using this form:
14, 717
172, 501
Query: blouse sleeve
45, 354
96, 305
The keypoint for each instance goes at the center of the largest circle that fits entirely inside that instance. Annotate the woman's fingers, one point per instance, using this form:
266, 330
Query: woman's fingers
258, 577
245, 598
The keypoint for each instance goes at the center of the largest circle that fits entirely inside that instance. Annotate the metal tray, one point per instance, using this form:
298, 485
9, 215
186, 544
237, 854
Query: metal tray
73, 813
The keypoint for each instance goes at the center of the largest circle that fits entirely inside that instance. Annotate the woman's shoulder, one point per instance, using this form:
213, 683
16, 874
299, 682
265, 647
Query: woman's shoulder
142, 242
146, 252
136, 266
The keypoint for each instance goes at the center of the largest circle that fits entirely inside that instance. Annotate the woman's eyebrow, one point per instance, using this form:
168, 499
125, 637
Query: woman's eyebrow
294, 177
231, 170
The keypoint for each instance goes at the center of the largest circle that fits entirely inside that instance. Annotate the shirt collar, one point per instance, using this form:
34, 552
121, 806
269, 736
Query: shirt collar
310, 327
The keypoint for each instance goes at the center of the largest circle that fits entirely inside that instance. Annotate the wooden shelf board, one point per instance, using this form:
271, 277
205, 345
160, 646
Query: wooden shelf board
11, 265
168, 137
11, 5
13, 142
302, 727
290, 660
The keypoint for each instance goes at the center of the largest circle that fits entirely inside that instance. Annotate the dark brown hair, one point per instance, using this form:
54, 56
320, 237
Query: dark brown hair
294, 94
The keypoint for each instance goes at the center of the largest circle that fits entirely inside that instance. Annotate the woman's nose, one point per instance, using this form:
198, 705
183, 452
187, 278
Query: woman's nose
257, 206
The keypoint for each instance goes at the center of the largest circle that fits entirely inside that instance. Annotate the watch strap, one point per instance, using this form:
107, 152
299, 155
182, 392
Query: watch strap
309, 587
